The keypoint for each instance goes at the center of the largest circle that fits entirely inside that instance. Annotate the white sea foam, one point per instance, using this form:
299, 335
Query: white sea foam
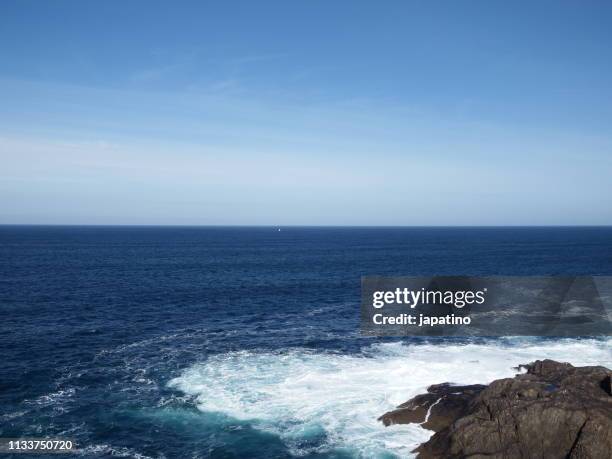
53, 398
300, 394
112, 451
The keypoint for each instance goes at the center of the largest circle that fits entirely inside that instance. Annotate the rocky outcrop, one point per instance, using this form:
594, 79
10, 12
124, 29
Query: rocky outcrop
435, 410
553, 410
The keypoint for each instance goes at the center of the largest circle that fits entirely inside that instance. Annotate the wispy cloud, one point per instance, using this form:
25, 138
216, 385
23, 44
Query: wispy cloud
255, 58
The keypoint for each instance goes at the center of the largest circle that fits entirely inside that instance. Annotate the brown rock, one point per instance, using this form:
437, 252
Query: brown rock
443, 402
553, 411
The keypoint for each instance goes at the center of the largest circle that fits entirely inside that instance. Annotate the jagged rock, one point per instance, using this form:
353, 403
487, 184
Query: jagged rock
554, 410
435, 410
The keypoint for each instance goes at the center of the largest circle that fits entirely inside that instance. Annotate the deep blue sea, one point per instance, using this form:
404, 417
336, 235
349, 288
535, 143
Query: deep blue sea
227, 342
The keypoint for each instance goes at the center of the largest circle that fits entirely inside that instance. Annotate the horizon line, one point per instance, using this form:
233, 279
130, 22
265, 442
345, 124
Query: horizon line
170, 225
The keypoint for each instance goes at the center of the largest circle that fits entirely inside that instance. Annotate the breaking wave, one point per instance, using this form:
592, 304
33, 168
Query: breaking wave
322, 402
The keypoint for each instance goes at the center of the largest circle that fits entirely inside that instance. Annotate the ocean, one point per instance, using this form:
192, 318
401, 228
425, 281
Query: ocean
238, 342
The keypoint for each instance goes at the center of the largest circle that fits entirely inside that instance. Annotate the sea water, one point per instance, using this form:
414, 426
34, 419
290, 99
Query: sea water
244, 342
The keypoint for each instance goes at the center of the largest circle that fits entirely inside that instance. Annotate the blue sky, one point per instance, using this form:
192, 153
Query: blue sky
339, 113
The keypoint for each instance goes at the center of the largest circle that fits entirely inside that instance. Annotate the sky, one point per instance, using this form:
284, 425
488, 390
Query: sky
306, 112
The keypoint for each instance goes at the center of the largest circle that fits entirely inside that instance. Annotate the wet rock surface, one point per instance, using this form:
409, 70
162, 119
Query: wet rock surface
553, 410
